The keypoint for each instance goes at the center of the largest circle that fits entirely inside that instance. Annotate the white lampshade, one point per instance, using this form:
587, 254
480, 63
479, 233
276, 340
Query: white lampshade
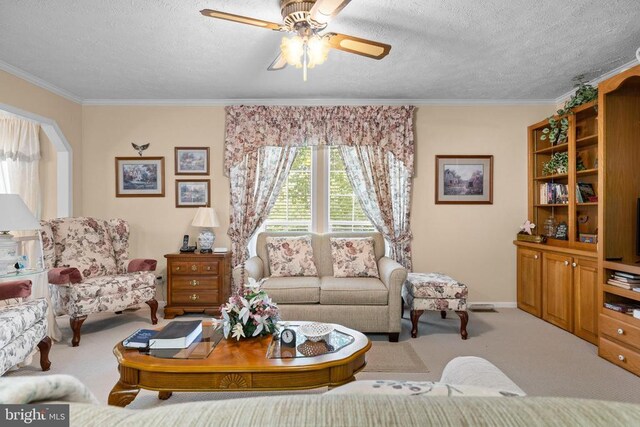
15, 215
206, 217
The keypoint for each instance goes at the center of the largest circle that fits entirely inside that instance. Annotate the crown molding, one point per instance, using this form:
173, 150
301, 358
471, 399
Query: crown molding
309, 102
597, 80
18, 72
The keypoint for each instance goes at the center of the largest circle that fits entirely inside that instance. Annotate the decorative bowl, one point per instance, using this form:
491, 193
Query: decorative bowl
315, 331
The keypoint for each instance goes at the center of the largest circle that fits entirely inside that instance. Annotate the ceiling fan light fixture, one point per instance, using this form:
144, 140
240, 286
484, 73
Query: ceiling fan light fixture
293, 50
305, 52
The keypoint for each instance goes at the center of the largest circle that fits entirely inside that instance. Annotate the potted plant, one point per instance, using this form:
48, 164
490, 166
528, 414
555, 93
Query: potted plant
557, 164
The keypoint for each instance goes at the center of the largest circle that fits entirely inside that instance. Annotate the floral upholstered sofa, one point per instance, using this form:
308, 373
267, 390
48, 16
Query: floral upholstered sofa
334, 277
23, 326
90, 270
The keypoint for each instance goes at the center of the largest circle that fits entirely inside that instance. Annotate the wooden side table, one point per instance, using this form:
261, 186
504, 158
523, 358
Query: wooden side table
197, 283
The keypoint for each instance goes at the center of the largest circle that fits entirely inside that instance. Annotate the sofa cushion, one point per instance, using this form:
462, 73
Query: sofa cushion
353, 257
291, 256
353, 291
84, 243
16, 319
293, 290
415, 388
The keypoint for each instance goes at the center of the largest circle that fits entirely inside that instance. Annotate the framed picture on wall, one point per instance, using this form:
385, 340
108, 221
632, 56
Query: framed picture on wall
192, 160
193, 193
464, 180
139, 176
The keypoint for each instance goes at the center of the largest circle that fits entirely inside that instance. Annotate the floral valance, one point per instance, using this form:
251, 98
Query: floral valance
251, 127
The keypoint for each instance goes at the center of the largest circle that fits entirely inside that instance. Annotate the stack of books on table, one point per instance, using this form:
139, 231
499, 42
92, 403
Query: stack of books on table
625, 280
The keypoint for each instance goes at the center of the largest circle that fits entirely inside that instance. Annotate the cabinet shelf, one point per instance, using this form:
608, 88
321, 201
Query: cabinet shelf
622, 292
553, 149
552, 177
587, 204
552, 205
621, 266
586, 141
587, 172
621, 316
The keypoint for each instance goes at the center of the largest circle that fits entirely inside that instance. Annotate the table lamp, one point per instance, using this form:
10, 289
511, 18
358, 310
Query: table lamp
206, 218
14, 216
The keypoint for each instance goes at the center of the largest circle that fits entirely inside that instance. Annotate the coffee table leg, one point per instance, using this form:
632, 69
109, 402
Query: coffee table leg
464, 318
122, 394
164, 395
415, 316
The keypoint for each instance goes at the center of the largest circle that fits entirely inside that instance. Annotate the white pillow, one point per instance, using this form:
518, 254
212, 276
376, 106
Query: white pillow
291, 256
415, 388
354, 257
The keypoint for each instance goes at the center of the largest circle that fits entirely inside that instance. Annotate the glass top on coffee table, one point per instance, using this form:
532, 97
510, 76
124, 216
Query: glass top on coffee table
335, 341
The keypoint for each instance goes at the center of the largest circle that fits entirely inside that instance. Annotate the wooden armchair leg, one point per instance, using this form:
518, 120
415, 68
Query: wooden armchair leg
76, 324
443, 314
153, 304
44, 346
464, 318
415, 316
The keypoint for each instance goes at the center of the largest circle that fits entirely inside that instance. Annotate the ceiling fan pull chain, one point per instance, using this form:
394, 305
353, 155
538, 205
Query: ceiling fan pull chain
305, 56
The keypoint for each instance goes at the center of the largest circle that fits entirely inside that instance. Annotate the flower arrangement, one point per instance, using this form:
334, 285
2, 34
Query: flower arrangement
249, 313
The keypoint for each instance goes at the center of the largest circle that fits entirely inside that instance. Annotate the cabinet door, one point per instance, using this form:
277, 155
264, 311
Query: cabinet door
557, 290
530, 281
585, 285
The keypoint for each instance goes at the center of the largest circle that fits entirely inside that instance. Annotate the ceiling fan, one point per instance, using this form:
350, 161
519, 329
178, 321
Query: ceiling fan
305, 20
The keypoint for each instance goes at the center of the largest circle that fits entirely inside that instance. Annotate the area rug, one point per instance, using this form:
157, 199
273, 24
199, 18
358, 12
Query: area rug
393, 357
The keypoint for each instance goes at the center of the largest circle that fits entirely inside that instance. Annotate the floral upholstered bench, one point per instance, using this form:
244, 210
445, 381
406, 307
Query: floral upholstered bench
435, 292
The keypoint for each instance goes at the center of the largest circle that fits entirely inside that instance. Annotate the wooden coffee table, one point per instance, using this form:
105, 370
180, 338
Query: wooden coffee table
236, 366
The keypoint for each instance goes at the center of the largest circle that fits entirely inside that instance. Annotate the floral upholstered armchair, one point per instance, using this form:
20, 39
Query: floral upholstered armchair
90, 270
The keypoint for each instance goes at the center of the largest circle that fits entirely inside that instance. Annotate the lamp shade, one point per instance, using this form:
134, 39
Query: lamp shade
205, 217
15, 215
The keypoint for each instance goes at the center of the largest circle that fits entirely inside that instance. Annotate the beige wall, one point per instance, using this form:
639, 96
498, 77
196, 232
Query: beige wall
473, 243
157, 226
21, 94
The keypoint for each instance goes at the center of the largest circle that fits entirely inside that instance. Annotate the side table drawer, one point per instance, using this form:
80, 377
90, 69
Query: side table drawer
620, 331
195, 283
195, 267
195, 297
210, 267
619, 355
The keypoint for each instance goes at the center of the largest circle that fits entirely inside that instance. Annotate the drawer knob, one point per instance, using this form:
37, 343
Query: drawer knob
574, 265
177, 268
194, 282
566, 263
535, 257
621, 358
194, 297
194, 267
620, 331
208, 267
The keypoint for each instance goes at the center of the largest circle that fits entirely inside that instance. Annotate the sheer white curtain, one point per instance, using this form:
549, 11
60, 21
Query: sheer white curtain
19, 161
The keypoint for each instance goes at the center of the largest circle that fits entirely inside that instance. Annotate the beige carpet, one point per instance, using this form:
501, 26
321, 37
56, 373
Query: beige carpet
542, 359
387, 356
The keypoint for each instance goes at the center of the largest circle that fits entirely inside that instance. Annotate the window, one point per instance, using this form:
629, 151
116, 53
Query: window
292, 210
345, 212
334, 207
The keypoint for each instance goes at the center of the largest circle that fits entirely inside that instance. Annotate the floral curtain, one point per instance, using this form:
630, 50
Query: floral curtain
255, 184
252, 129
382, 183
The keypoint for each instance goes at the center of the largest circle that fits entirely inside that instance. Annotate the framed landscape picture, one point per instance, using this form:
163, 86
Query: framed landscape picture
139, 176
192, 160
192, 193
464, 180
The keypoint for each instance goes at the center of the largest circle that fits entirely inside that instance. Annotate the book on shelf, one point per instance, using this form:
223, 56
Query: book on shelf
139, 339
622, 285
621, 307
627, 275
585, 192
620, 278
552, 193
177, 334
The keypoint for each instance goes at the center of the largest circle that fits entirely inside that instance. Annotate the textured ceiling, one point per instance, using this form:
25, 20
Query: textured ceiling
453, 49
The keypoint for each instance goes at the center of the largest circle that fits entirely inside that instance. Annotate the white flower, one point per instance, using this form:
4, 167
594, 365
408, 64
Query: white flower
238, 332
262, 324
253, 285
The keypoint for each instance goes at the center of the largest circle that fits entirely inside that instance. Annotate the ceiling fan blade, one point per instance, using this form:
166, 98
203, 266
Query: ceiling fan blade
364, 47
323, 10
278, 64
242, 19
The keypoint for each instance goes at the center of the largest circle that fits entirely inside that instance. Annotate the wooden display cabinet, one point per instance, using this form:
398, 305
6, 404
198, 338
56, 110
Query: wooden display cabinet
619, 184
558, 280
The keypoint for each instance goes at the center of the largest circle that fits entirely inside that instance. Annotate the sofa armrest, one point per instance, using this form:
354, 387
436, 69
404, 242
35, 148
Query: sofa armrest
253, 267
64, 276
393, 275
15, 289
476, 371
141, 264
